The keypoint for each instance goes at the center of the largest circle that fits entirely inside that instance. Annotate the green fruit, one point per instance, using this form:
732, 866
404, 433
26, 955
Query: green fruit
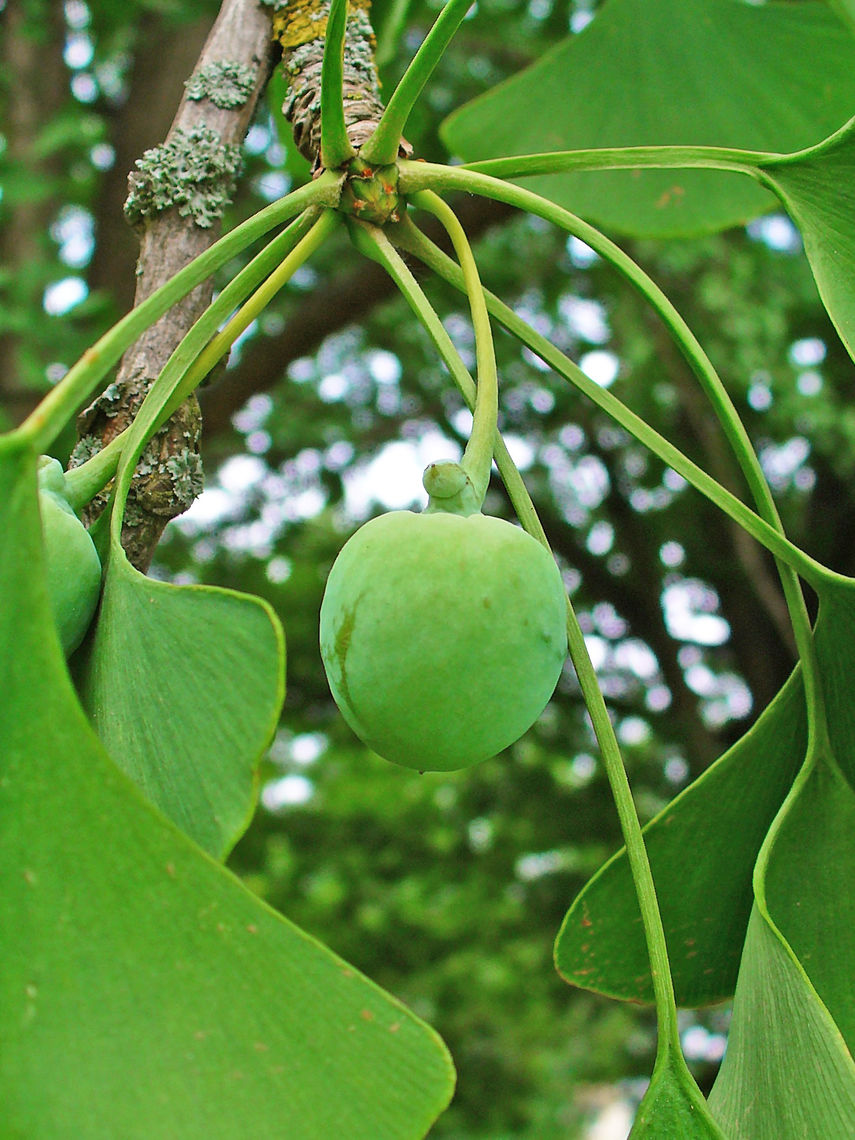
443, 635
73, 566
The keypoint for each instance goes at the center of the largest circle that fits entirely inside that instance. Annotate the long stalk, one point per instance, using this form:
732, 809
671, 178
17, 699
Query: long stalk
382, 147
180, 375
409, 238
413, 176
209, 357
335, 145
47, 420
85, 481
623, 158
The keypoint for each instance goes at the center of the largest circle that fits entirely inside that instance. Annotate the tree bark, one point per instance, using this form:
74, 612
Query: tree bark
35, 87
300, 27
155, 85
212, 118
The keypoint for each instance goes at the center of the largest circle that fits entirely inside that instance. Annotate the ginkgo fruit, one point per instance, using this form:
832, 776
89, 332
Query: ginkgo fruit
443, 634
73, 565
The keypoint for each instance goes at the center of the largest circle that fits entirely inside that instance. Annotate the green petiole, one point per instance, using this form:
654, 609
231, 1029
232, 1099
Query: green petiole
85, 481
260, 299
52, 414
382, 148
622, 158
192, 361
710, 382
335, 145
409, 238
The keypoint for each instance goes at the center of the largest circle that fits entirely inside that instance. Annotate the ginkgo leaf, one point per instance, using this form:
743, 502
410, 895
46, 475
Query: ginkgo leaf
702, 849
772, 77
788, 1072
184, 685
818, 189
144, 992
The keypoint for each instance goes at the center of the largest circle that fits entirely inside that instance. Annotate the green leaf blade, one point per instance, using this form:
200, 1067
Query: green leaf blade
818, 189
721, 819
144, 992
184, 685
673, 1107
786, 1073
772, 78
809, 890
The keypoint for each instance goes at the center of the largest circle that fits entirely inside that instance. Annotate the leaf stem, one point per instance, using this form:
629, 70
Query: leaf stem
83, 483
192, 360
700, 364
336, 148
382, 147
621, 158
260, 299
639, 863
408, 237
478, 456
47, 420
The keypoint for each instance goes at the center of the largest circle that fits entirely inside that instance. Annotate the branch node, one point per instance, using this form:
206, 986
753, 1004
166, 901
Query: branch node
299, 27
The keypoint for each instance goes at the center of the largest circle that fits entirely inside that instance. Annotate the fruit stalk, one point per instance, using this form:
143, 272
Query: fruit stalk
45, 423
178, 377
478, 455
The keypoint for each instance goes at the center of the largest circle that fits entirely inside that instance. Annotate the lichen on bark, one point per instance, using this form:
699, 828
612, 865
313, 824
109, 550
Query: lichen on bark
226, 83
194, 170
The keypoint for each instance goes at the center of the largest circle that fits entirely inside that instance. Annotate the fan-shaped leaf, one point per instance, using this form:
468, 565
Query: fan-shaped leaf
787, 1072
818, 189
702, 849
771, 78
143, 991
184, 685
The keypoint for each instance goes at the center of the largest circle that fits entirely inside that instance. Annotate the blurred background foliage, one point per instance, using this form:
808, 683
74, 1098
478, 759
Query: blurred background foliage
448, 889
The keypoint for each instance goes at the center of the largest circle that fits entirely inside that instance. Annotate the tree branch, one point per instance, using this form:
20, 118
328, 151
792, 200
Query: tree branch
161, 62
177, 223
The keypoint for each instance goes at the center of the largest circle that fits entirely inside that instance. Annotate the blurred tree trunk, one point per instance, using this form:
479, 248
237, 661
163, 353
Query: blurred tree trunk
34, 85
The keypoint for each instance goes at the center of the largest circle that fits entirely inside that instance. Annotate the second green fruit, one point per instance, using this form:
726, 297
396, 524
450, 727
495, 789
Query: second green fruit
73, 566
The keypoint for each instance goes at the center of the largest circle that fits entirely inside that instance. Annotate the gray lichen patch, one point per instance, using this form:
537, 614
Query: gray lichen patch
195, 171
110, 401
226, 83
188, 479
